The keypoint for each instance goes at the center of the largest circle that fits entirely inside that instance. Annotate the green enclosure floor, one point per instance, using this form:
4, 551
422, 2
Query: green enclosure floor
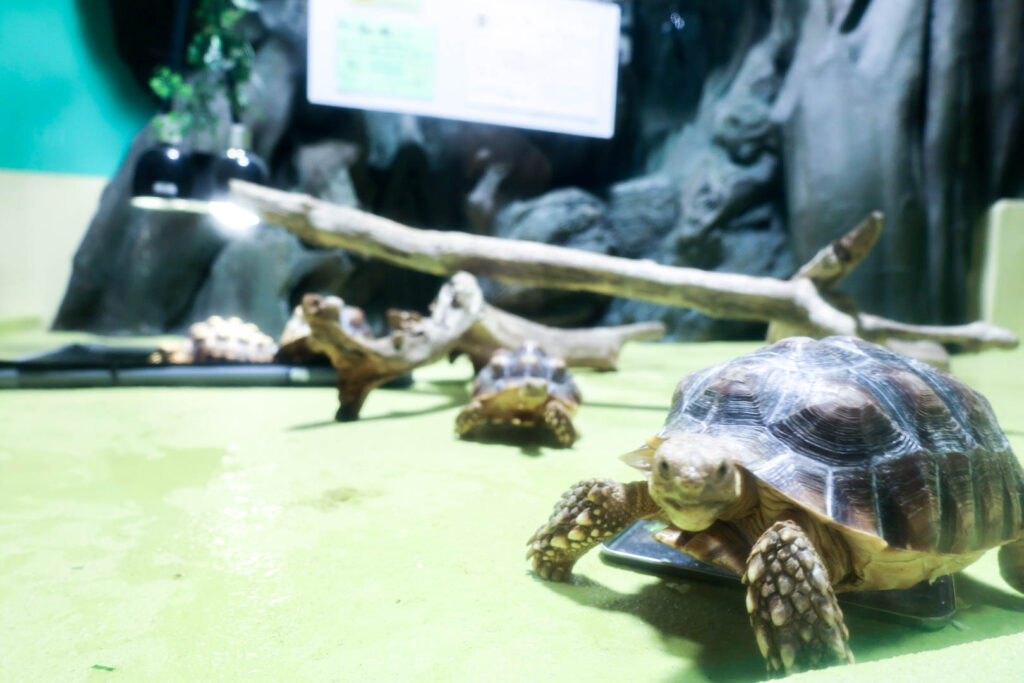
170, 534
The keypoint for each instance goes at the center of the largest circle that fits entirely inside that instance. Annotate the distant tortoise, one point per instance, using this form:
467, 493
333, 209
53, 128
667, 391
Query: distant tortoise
523, 387
218, 340
811, 468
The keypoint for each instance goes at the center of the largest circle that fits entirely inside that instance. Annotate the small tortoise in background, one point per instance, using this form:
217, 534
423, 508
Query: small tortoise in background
811, 468
219, 340
524, 387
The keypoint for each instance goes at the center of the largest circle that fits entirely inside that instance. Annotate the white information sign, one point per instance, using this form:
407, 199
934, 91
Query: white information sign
541, 64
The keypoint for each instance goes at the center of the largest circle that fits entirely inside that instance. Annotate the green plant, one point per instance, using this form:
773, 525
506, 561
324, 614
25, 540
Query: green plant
220, 58
172, 88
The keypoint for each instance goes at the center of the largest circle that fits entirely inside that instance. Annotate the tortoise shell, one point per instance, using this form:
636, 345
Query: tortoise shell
219, 340
864, 438
529, 363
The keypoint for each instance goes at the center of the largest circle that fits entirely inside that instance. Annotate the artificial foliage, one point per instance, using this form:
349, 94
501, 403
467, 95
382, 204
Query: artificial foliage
219, 61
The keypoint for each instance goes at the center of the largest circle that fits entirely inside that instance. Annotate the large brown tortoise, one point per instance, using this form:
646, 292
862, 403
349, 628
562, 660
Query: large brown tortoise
812, 468
525, 387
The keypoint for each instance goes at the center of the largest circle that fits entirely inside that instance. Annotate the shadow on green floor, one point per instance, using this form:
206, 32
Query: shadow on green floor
530, 440
702, 623
971, 593
707, 624
455, 392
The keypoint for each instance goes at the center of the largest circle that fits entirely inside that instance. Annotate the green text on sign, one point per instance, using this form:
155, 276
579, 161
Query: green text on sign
388, 58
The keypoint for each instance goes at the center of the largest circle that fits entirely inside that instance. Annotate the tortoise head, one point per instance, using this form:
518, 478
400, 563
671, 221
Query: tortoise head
531, 394
693, 477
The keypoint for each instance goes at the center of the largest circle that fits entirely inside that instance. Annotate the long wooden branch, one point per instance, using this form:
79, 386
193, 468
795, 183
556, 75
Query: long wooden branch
796, 304
722, 295
976, 336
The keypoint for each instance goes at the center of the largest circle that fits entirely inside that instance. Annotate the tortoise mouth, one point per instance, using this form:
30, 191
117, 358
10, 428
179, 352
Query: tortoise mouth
680, 505
690, 516
688, 504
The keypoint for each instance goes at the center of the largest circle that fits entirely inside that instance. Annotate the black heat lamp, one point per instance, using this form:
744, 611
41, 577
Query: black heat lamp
165, 177
237, 163
168, 178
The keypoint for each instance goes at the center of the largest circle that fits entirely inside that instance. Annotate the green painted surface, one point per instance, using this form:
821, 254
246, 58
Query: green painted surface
187, 534
70, 105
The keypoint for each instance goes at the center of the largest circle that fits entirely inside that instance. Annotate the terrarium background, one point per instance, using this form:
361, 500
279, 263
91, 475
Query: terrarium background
748, 135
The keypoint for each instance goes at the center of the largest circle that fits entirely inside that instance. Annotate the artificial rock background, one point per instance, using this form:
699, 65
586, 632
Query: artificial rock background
749, 134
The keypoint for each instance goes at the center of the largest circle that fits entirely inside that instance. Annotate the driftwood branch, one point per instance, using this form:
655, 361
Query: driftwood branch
365, 362
834, 261
976, 336
722, 295
459, 322
595, 347
797, 304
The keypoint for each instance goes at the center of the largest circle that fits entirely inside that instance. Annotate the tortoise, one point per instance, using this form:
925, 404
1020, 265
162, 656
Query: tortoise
810, 468
218, 340
524, 387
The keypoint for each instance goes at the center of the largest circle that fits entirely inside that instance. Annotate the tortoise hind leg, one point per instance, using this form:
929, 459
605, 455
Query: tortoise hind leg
1011, 564
592, 511
793, 609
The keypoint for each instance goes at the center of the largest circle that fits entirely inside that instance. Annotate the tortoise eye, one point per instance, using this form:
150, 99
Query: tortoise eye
663, 468
722, 470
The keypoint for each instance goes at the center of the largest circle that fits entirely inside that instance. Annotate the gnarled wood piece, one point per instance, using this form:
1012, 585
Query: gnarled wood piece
595, 347
294, 344
365, 362
325, 325
796, 303
590, 347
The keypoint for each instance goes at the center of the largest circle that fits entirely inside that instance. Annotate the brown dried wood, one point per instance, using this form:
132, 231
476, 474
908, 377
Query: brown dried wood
594, 347
365, 362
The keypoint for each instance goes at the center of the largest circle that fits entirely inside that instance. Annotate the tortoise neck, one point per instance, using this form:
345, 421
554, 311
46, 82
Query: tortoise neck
748, 500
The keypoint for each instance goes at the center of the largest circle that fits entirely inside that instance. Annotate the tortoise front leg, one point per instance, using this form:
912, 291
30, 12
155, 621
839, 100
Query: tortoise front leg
469, 418
793, 609
590, 512
559, 421
1011, 564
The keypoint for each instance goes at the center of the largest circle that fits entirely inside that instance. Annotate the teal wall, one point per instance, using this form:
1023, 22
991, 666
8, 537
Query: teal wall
67, 103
